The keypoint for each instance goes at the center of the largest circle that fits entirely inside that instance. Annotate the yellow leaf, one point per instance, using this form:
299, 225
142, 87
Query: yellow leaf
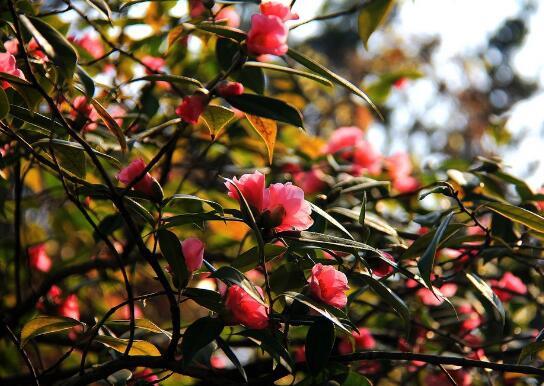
139, 347
267, 129
46, 325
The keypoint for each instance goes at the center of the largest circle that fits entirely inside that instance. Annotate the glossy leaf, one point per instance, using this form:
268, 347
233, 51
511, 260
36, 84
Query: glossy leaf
490, 299
271, 344
330, 219
230, 276
198, 335
267, 107
139, 347
290, 71
250, 258
141, 323
111, 124
175, 79
522, 216
172, 252
46, 325
216, 118
319, 343
206, 298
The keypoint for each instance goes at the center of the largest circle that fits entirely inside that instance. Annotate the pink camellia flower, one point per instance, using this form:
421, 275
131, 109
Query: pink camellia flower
363, 341
193, 252
267, 35
343, 141
508, 286
275, 8
287, 208
427, 297
230, 15
8, 64
39, 259
147, 184
89, 43
328, 285
399, 166
280, 207
54, 295
153, 64
83, 109
380, 268
366, 159
196, 8
470, 318
12, 46
311, 181
252, 187
245, 309
33, 49
540, 204
405, 184
192, 107
70, 307
226, 89
146, 375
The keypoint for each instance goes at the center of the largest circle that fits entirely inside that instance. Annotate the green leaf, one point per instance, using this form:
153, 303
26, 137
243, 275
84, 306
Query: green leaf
522, 216
356, 379
198, 335
46, 325
323, 309
175, 79
419, 245
319, 343
139, 347
182, 197
206, 298
289, 70
369, 219
141, 323
220, 30
4, 104
232, 357
111, 124
55, 46
271, 344
137, 209
76, 146
36, 119
426, 262
330, 219
362, 212
172, 252
231, 276
86, 81
328, 74
216, 118
250, 258
490, 299
70, 158
266, 107
371, 16
386, 294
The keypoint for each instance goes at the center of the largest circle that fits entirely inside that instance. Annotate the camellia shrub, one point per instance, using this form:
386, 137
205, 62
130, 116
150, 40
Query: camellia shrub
170, 217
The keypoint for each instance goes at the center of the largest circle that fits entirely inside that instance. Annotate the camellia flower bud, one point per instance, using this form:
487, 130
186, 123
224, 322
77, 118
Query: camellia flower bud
328, 285
267, 35
147, 183
245, 309
226, 89
192, 107
193, 252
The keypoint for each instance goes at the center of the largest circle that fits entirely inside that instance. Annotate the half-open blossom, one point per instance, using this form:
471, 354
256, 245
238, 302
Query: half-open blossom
192, 107
193, 253
508, 286
366, 160
252, 187
276, 8
70, 307
267, 35
147, 184
328, 285
230, 15
280, 207
153, 64
91, 44
245, 309
363, 341
8, 64
227, 88
39, 259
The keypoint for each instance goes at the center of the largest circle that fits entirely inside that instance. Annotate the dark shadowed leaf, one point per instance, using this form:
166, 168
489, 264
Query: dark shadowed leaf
182, 197
232, 357
198, 335
319, 343
250, 258
271, 344
4, 104
206, 298
176, 79
227, 32
490, 300
426, 262
230, 276
171, 250
267, 107
86, 81
111, 124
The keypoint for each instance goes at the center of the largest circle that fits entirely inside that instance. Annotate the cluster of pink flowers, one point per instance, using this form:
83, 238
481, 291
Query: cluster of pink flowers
280, 207
268, 32
8, 64
191, 107
427, 297
349, 144
67, 307
508, 286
